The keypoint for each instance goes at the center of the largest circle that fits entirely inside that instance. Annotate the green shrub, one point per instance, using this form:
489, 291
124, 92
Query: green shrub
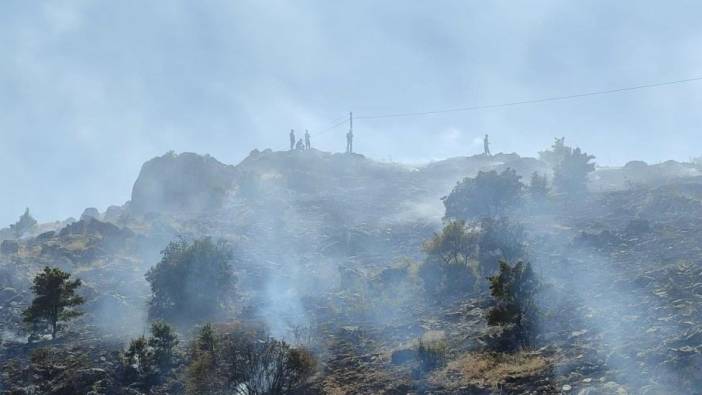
514, 289
571, 167
193, 282
488, 194
449, 265
147, 360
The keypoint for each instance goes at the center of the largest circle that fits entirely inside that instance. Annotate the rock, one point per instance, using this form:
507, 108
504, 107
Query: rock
90, 212
638, 227
611, 387
636, 165
7, 294
403, 356
9, 247
45, 236
94, 227
113, 214
184, 182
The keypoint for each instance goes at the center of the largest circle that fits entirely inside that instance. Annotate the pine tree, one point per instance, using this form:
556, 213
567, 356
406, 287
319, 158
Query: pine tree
55, 299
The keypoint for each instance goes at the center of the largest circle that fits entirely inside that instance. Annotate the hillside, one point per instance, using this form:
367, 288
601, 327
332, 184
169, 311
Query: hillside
332, 244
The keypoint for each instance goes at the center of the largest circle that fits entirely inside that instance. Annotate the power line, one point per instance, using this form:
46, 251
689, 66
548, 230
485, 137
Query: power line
335, 125
344, 119
531, 101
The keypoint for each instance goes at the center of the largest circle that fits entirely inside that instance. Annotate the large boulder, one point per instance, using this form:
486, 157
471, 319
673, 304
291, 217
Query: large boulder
90, 212
181, 183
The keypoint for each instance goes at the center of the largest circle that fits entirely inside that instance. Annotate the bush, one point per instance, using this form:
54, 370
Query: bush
447, 267
500, 239
246, 362
513, 290
193, 282
488, 194
147, 360
556, 154
570, 168
459, 256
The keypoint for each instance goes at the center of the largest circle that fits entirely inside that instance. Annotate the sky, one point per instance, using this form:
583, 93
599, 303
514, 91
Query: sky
89, 90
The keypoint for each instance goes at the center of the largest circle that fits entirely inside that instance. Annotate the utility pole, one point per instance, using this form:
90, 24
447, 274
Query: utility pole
349, 135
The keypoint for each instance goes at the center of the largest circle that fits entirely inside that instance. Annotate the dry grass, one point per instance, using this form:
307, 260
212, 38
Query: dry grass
489, 370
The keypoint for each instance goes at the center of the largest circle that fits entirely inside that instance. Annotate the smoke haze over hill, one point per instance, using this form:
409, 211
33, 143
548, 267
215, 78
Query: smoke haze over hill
90, 91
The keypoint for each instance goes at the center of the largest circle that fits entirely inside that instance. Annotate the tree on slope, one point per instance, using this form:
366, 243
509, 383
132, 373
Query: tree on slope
192, 282
571, 167
489, 194
514, 289
55, 299
570, 175
448, 265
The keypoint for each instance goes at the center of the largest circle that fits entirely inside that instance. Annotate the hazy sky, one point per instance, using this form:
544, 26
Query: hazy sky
89, 90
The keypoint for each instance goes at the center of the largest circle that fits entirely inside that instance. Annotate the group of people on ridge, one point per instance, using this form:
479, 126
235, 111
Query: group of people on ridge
299, 145
306, 144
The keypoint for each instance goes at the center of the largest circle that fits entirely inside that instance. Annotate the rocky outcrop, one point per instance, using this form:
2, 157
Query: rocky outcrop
90, 212
182, 183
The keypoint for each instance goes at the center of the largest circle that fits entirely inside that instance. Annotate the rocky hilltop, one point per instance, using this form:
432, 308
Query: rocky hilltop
188, 183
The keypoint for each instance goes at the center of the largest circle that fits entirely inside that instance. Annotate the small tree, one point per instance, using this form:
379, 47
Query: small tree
163, 341
556, 154
499, 239
201, 377
570, 176
54, 301
246, 363
25, 223
571, 167
514, 289
263, 366
138, 363
192, 282
488, 194
538, 187
148, 359
449, 256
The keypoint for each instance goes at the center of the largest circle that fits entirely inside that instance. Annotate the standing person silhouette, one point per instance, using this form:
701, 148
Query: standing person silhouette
486, 146
292, 139
308, 144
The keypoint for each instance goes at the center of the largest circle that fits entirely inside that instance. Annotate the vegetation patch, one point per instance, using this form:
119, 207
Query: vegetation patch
489, 370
